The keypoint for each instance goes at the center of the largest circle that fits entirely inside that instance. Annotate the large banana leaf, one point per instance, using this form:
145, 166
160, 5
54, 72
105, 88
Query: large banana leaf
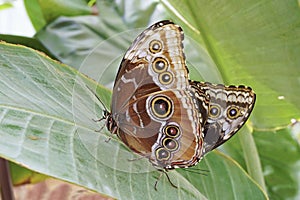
47, 112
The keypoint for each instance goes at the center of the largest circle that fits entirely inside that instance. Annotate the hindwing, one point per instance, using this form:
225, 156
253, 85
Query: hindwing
225, 110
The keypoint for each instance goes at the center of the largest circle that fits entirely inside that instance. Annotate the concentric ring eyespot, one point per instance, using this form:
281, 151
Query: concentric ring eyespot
159, 65
155, 46
172, 131
165, 78
170, 144
162, 154
214, 111
161, 107
233, 112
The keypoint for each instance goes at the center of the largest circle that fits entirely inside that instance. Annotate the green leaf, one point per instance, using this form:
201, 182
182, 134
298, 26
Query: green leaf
46, 112
43, 12
26, 41
279, 155
78, 39
252, 159
21, 175
224, 179
55, 8
35, 14
5, 6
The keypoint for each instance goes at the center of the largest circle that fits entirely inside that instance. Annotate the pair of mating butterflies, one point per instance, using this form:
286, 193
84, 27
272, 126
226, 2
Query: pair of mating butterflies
162, 115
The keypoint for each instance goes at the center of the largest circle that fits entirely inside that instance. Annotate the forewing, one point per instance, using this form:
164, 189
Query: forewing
153, 75
155, 61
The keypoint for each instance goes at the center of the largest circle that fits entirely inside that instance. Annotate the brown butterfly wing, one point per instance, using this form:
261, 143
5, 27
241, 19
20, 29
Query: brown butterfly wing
227, 109
152, 104
133, 78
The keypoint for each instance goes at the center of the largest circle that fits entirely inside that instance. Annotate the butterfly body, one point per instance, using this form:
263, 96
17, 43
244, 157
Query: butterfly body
160, 114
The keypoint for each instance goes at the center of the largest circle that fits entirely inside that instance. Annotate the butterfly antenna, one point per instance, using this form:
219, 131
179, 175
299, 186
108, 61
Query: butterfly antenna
160, 175
104, 107
105, 115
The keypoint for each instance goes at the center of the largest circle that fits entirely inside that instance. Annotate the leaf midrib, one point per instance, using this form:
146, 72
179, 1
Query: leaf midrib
35, 113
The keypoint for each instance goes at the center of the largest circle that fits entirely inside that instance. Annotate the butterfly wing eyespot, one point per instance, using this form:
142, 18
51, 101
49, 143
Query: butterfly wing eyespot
155, 46
170, 144
159, 65
161, 107
172, 131
233, 112
214, 111
165, 78
162, 154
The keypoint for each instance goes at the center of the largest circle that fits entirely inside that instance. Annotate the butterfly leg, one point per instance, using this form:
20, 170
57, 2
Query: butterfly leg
108, 139
99, 130
160, 175
113, 131
136, 159
99, 120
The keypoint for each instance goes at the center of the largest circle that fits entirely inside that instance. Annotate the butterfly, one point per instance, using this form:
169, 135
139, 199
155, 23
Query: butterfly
160, 114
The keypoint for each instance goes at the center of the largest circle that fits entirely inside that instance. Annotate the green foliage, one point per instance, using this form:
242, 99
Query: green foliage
42, 12
46, 108
22, 175
5, 5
